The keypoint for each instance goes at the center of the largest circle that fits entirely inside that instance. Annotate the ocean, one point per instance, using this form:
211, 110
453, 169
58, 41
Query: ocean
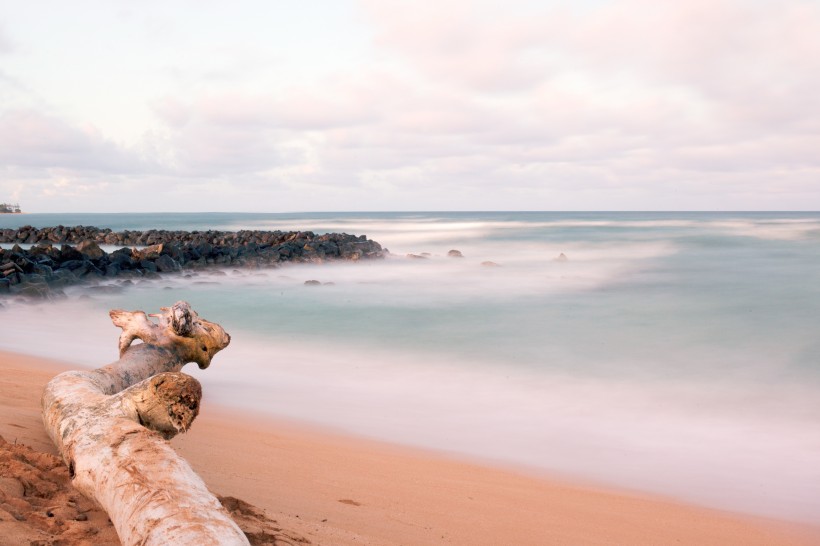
671, 353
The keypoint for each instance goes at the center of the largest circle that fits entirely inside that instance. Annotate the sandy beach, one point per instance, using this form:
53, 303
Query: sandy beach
325, 488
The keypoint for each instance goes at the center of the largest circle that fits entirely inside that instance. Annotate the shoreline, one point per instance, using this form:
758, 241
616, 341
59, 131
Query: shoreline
336, 489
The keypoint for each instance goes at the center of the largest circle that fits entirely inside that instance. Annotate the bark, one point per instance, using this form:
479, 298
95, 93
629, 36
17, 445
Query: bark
111, 427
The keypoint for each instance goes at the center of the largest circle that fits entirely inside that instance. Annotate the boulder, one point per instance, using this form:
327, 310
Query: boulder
69, 253
148, 253
62, 277
166, 264
90, 250
120, 257
72, 265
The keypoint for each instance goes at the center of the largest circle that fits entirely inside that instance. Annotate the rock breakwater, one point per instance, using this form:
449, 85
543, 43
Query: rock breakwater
61, 256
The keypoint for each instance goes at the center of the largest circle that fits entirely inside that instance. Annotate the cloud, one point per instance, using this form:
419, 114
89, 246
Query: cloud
602, 104
461, 42
749, 62
171, 111
755, 63
221, 135
35, 140
630, 92
5, 43
302, 109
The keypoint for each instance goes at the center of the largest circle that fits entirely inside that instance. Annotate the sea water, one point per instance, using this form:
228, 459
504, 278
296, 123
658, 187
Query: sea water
673, 353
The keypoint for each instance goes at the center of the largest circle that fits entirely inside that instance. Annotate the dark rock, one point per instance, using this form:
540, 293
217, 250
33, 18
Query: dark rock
33, 290
121, 258
44, 270
90, 250
69, 253
166, 251
166, 264
72, 265
313, 283
34, 278
88, 269
62, 277
8, 268
455, 254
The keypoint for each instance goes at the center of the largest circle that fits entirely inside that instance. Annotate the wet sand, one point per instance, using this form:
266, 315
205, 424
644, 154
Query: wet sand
327, 488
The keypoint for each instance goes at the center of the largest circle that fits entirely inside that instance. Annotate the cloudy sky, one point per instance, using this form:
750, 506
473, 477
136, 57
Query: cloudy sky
294, 105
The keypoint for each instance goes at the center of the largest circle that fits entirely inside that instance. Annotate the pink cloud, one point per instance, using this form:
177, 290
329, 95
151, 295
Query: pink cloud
32, 139
460, 42
171, 111
755, 62
338, 103
625, 94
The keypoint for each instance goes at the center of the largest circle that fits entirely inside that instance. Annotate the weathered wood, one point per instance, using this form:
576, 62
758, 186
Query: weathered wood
111, 424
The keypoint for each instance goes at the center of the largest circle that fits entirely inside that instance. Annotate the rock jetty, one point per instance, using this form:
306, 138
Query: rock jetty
62, 256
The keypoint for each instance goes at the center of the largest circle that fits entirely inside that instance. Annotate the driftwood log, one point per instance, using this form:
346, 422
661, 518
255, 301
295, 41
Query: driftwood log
111, 426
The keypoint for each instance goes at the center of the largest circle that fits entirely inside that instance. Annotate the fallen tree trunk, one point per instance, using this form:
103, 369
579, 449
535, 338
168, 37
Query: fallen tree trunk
111, 425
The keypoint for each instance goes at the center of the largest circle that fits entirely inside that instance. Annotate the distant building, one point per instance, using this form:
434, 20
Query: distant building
7, 208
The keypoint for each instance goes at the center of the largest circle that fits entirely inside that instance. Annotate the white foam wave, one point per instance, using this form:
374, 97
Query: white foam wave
401, 234
520, 270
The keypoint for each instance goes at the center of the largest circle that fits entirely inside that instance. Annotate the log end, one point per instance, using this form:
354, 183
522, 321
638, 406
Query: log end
170, 404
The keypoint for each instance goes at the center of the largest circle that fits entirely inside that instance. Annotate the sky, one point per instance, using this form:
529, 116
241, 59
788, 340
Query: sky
380, 105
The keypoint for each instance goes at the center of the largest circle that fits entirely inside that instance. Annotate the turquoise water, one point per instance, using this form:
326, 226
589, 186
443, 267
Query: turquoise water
671, 352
